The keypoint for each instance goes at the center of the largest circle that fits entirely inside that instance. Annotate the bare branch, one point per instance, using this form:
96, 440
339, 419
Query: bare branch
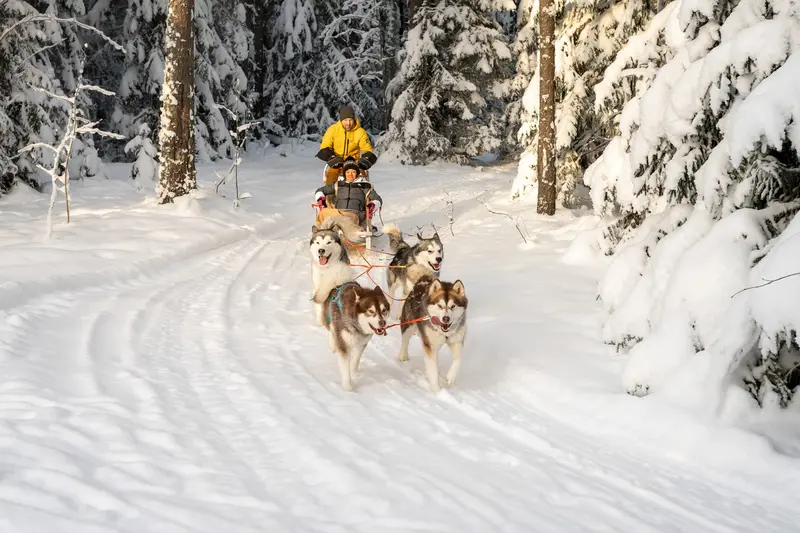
39, 17
516, 224
768, 282
451, 212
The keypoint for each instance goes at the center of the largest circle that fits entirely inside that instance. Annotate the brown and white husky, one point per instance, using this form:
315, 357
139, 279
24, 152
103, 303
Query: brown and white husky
355, 315
440, 308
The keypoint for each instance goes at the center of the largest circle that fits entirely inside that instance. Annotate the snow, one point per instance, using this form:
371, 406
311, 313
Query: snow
161, 372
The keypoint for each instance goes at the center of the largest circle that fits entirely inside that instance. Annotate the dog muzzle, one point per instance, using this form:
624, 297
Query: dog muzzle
445, 327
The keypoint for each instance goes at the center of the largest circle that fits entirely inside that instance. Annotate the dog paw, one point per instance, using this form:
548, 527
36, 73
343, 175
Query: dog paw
403, 357
348, 387
451, 380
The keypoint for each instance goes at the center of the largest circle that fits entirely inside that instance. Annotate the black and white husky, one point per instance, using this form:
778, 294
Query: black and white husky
329, 268
423, 258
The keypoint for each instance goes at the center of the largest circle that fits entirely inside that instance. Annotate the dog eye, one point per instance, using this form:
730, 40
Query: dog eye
452, 305
441, 305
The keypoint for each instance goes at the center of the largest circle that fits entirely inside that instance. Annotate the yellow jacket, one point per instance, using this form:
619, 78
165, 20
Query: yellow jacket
346, 144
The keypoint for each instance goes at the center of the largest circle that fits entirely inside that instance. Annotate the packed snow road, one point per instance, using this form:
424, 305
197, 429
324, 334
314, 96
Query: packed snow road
162, 373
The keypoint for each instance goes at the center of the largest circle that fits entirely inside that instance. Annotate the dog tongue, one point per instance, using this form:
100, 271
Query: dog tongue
323, 260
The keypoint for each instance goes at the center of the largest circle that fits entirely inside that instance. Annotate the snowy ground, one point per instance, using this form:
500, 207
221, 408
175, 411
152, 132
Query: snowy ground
161, 373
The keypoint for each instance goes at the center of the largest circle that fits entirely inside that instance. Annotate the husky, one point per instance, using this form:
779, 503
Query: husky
437, 312
329, 268
424, 258
355, 314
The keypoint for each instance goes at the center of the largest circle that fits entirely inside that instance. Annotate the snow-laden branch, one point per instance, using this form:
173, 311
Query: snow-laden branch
768, 282
41, 17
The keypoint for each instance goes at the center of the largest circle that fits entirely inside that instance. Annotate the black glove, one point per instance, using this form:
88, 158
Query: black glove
335, 161
367, 160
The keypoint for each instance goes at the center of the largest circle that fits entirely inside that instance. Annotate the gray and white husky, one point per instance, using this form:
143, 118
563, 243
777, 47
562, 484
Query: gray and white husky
423, 258
328, 266
440, 309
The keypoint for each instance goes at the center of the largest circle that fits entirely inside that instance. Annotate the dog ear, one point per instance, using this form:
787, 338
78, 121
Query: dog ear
435, 287
458, 288
314, 230
419, 236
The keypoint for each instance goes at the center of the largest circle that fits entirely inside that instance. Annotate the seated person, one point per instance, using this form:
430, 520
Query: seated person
353, 194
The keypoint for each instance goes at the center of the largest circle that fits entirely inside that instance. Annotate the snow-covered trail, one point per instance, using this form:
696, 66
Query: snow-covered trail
194, 393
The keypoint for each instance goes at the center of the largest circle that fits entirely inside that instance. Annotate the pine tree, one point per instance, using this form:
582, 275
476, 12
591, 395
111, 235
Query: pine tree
350, 61
448, 105
26, 115
588, 36
177, 174
141, 147
290, 79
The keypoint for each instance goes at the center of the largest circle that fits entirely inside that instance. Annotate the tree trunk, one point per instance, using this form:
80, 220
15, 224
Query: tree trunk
177, 174
546, 149
260, 24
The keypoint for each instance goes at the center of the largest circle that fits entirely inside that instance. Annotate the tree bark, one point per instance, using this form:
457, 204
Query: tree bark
546, 148
177, 174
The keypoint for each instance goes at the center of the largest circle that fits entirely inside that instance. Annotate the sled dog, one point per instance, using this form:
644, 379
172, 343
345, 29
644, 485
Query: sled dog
328, 266
355, 314
424, 258
446, 306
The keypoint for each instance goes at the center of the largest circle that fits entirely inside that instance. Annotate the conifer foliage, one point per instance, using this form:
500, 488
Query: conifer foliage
451, 83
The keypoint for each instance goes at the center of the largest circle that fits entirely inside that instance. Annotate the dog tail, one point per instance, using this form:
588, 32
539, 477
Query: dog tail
396, 241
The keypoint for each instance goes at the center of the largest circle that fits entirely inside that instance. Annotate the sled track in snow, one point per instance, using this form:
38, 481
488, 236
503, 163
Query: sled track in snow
197, 395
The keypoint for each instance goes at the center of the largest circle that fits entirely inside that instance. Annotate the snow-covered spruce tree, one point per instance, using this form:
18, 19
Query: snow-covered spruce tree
705, 179
27, 116
524, 46
141, 147
589, 34
350, 61
291, 82
222, 48
139, 90
176, 137
450, 104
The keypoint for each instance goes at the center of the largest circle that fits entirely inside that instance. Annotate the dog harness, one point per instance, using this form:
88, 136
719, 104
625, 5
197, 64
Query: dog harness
337, 297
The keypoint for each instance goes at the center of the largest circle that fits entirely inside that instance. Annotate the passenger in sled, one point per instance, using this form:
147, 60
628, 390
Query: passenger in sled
352, 195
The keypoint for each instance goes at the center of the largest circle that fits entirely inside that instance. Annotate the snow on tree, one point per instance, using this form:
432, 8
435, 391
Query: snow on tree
351, 61
588, 37
291, 78
524, 46
449, 105
176, 136
222, 48
704, 181
141, 147
40, 57
139, 89
546, 153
